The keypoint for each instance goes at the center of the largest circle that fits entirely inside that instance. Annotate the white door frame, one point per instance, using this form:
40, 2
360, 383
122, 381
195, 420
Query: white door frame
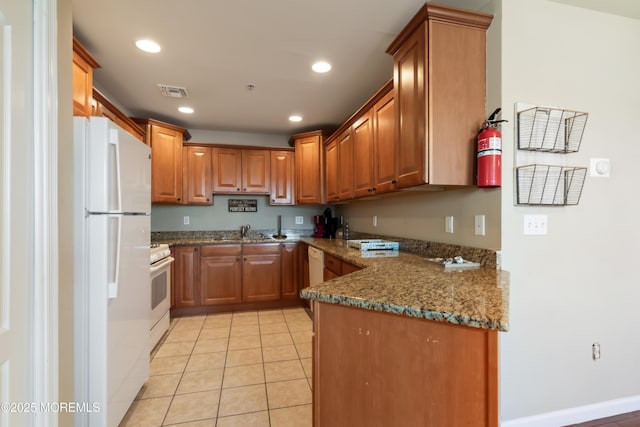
45, 202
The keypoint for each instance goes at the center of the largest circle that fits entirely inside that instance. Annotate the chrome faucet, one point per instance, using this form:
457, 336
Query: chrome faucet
243, 230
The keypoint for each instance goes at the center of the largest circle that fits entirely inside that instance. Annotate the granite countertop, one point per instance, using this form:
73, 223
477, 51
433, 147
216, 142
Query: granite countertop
412, 286
183, 238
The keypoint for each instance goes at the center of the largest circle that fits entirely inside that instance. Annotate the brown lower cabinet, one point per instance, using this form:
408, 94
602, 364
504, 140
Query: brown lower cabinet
379, 369
228, 277
335, 267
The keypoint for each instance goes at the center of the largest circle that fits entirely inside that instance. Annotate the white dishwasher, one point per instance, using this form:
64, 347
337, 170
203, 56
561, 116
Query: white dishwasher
316, 266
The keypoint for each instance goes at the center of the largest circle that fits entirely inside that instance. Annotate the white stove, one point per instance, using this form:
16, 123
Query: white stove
160, 261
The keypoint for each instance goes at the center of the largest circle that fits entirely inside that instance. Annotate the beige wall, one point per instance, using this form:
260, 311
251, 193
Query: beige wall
578, 284
421, 215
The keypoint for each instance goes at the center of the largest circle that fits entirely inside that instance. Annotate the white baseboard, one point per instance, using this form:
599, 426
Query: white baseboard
579, 414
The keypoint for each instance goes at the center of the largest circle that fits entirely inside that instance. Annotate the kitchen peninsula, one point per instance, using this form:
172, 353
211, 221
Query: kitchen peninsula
406, 342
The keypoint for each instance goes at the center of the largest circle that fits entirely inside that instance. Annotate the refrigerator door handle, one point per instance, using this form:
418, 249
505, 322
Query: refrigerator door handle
113, 285
113, 140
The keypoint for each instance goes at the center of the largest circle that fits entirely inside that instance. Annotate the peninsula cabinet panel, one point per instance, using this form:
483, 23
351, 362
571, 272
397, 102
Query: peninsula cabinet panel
331, 173
384, 140
186, 292
309, 168
439, 87
197, 176
445, 376
282, 178
363, 153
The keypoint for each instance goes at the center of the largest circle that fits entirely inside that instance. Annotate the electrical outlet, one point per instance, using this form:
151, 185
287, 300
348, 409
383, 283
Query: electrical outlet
595, 351
479, 225
535, 224
185, 220
448, 224
375, 220
299, 220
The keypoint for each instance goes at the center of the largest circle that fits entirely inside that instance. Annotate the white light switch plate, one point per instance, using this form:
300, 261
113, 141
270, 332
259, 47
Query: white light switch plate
479, 225
299, 220
535, 224
185, 220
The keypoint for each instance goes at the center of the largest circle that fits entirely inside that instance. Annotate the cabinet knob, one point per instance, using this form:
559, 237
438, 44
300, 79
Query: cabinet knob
245, 189
369, 190
393, 181
208, 199
373, 189
237, 189
178, 199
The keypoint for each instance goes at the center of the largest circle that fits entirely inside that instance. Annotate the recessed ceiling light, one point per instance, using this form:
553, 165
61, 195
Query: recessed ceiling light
148, 46
321, 67
186, 110
295, 118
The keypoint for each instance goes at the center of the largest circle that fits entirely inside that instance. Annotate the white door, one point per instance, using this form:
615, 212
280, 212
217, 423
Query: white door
21, 260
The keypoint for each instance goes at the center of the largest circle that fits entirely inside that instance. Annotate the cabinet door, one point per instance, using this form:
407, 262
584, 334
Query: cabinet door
409, 87
363, 156
261, 277
166, 165
227, 170
384, 140
309, 170
185, 290
282, 175
345, 166
331, 157
197, 177
256, 171
290, 270
221, 279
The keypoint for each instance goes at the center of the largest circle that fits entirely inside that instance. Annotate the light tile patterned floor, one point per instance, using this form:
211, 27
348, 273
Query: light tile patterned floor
245, 369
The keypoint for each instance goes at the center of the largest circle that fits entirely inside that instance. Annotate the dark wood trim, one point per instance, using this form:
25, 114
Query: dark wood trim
146, 122
242, 147
225, 308
388, 87
438, 12
321, 133
84, 54
116, 111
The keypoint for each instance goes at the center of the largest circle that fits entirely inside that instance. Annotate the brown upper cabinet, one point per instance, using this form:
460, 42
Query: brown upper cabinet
384, 142
165, 141
282, 177
360, 156
439, 91
83, 66
309, 167
197, 179
331, 171
102, 107
238, 170
339, 167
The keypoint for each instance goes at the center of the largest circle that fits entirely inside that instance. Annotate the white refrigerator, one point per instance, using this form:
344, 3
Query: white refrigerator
112, 290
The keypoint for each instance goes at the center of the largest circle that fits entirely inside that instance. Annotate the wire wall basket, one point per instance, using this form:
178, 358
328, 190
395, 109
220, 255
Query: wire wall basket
549, 185
550, 129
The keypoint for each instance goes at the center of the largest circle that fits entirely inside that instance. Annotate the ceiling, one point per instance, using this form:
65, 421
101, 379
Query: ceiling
215, 48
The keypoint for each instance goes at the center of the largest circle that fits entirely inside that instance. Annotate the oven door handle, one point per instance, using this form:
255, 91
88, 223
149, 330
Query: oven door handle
162, 264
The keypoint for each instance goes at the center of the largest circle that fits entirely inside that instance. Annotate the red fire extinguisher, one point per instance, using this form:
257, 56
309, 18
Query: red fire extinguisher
490, 152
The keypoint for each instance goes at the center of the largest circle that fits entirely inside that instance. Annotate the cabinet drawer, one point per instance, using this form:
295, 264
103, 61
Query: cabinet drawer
333, 264
349, 268
260, 248
220, 250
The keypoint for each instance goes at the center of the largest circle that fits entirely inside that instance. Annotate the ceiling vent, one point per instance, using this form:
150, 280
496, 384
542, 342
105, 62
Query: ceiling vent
173, 91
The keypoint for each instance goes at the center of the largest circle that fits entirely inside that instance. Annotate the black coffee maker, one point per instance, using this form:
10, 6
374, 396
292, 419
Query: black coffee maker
331, 224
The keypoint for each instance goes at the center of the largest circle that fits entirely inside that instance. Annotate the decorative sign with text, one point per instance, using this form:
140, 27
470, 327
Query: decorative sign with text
243, 205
